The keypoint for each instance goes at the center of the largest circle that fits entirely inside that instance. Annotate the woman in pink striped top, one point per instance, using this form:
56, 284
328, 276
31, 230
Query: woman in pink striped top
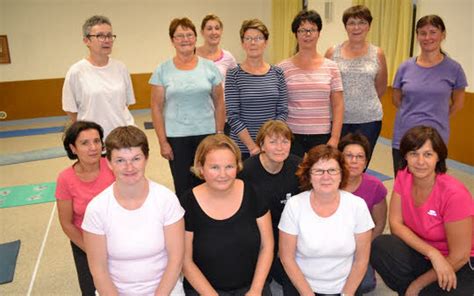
315, 99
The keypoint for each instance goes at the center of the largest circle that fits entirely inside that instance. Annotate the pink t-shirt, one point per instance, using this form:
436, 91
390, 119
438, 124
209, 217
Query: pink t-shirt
309, 91
371, 190
448, 201
70, 187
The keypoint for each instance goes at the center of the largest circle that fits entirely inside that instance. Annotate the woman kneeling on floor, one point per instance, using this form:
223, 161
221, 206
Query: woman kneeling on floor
430, 250
134, 229
228, 239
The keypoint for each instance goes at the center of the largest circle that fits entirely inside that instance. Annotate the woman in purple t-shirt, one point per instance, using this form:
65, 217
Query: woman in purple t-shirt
428, 88
356, 150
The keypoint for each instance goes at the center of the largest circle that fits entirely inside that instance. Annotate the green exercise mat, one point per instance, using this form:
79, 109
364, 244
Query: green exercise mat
23, 195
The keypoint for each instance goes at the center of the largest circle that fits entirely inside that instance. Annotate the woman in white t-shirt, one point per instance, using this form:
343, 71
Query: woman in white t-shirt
325, 232
134, 229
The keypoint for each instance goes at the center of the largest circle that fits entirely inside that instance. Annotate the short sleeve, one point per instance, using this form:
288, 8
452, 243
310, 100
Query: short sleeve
336, 80
363, 221
288, 221
397, 81
129, 88
215, 75
93, 220
157, 76
459, 204
62, 188
68, 98
461, 81
380, 192
173, 210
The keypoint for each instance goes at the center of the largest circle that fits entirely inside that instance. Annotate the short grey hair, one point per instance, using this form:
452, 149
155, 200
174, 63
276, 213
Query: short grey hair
92, 21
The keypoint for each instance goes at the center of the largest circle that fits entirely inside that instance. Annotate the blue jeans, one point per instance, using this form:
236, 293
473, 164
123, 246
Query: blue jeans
370, 129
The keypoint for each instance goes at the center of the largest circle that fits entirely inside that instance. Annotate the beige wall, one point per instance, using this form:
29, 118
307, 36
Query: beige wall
458, 16
45, 35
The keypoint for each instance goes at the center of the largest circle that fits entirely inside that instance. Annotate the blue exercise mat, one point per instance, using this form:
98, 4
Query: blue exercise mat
378, 175
6, 159
8, 255
31, 132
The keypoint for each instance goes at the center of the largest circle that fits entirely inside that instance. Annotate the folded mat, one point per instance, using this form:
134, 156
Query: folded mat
8, 254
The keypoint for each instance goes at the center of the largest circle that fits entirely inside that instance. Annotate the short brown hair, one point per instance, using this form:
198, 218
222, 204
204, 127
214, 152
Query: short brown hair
273, 127
255, 24
416, 137
211, 17
314, 155
355, 139
214, 142
432, 19
126, 137
184, 22
357, 11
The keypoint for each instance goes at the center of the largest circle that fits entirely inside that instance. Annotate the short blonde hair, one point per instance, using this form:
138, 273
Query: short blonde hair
273, 127
214, 142
253, 24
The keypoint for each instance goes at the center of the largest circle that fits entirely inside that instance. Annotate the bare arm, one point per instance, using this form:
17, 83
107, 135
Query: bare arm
157, 109
96, 249
442, 270
192, 272
329, 53
457, 101
72, 116
381, 77
65, 214
287, 249
245, 137
396, 97
379, 215
359, 265
337, 106
265, 256
174, 243
219, 107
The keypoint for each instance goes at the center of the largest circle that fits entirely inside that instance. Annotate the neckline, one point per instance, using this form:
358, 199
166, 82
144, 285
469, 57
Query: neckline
231, 217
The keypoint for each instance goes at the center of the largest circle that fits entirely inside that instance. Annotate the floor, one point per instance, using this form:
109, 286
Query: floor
45, 265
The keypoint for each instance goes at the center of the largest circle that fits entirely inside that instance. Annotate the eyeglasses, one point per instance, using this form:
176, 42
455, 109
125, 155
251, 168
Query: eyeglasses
189, 36
258, 39
319, 172
353, 24
357, 157
122, 162
306, 31
103, 37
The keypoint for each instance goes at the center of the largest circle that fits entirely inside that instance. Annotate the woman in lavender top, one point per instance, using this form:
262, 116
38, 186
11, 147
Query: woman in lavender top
429, 88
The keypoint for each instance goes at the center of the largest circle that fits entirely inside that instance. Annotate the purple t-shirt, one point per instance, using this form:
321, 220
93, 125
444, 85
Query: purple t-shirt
426, 96
371, 190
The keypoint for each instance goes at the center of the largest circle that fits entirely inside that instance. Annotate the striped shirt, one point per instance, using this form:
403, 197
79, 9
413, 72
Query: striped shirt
251, 100
309, 91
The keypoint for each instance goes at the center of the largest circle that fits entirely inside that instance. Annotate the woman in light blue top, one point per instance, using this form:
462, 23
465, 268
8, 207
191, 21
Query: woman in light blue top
187, 103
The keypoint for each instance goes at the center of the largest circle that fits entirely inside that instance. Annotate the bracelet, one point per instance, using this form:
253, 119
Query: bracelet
219, 132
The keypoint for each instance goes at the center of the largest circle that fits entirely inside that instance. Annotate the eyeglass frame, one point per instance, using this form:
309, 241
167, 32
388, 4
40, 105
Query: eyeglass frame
189, 36
111, 37
303, 31
358, 157
256, 39
320, 172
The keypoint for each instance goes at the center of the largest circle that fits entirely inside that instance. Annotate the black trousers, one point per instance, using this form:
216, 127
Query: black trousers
399, 265
184, 149
397, 161
237, 292
303, 143
86, 283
